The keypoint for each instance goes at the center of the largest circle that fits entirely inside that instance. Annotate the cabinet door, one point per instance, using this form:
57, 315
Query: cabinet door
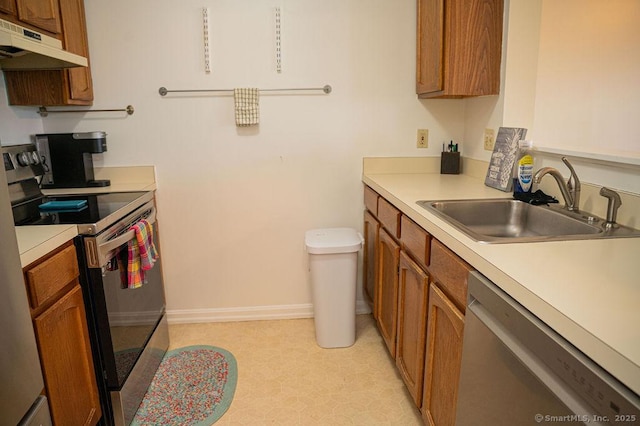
430, 54
370, 261
459, 46
8, 6
40, 13
388, 258
413, 289
67, 365
80, 84
444, 353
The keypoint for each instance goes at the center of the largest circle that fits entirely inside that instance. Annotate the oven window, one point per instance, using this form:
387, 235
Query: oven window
133, 314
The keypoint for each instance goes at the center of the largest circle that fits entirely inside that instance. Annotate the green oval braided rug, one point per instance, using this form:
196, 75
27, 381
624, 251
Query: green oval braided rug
194, 385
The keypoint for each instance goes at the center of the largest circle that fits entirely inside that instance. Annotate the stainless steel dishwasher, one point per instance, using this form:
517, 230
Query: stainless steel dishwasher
518, 371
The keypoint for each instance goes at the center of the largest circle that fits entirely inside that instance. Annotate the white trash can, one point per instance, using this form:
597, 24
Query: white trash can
333, 262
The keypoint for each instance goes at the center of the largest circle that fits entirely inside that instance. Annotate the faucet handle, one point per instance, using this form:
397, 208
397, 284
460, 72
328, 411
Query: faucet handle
573, 184
612, 208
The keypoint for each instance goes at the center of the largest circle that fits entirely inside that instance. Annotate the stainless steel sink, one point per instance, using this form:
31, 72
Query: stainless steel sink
504, 220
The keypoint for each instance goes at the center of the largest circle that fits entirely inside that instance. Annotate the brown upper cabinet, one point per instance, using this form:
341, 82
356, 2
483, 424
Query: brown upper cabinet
8, 7
37, 14
459, 47
57, 87
42, 14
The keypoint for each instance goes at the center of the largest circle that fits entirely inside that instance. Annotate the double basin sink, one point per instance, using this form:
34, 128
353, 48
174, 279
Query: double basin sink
504, 220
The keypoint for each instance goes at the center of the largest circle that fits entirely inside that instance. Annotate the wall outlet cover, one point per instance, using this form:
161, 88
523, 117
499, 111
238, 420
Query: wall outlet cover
489, 139
423, 138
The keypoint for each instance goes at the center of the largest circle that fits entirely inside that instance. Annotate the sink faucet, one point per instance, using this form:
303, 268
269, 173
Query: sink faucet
570, 190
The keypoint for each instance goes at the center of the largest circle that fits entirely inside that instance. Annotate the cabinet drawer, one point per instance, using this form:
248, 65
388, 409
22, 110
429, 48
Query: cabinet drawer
371, 200
415, 241
389, 216
450, 272
49, 277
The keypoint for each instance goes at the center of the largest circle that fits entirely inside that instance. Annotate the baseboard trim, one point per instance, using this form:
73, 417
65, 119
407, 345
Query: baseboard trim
251, 313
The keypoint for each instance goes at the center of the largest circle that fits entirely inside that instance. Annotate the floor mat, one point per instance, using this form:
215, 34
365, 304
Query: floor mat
194, 385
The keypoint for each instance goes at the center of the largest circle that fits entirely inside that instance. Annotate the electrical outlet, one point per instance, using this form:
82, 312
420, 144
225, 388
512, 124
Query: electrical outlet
489, 139
423, 138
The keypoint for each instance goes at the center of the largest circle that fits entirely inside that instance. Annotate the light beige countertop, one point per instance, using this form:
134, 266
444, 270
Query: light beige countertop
588, 291
36, 241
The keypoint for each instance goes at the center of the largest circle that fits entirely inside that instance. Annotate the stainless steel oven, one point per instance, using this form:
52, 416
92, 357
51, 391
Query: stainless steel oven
130, 326
518, 371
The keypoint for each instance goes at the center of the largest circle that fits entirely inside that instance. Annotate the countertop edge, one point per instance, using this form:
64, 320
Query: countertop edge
37, 241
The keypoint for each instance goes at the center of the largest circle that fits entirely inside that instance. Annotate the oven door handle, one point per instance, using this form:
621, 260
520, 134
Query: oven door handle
124, 238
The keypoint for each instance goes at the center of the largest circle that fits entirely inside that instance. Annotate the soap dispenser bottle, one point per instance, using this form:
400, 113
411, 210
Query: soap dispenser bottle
523, 180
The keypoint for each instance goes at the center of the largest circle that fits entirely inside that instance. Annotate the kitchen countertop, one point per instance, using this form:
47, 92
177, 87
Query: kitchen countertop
37, 241
588, 291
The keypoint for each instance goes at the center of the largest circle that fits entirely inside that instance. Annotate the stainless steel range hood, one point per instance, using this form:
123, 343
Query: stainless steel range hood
24, 49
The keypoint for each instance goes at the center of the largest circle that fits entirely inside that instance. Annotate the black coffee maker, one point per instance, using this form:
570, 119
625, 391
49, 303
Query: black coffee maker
67, 159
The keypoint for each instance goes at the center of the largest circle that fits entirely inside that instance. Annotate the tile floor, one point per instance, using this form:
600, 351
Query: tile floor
284, 378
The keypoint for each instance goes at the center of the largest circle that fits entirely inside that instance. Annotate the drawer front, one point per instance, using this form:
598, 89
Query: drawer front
450, 272
389, 216
49, 277
371, 200
415, 241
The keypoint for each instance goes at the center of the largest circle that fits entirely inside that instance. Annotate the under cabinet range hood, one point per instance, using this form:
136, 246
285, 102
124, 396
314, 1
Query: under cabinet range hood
24, 49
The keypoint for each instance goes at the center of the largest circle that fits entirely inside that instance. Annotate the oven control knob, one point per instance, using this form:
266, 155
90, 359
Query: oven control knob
35, 159
23, 159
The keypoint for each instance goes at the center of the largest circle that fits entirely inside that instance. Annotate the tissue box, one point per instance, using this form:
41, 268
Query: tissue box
450, 163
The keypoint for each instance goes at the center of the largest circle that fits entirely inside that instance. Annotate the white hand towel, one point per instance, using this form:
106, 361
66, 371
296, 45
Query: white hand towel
247, 105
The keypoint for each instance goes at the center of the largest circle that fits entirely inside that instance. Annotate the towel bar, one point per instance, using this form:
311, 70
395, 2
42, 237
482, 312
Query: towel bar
44, 112
163, 90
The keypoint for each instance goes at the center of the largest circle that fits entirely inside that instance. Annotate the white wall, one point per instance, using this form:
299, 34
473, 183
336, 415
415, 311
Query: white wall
570, 77
588, 91
234, 203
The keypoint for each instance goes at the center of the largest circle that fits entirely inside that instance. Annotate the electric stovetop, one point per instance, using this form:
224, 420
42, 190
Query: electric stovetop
95, 212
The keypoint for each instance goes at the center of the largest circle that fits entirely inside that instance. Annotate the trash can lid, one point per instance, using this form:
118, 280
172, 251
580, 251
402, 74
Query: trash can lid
333, 240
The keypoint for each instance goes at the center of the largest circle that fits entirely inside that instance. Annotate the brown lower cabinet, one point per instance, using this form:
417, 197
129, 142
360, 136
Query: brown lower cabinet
370, 261
387, 302
59, 320
419, 307
443, 355
412, 325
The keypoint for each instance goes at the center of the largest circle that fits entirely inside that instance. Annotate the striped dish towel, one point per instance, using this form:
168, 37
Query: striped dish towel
142, 254
247, 106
